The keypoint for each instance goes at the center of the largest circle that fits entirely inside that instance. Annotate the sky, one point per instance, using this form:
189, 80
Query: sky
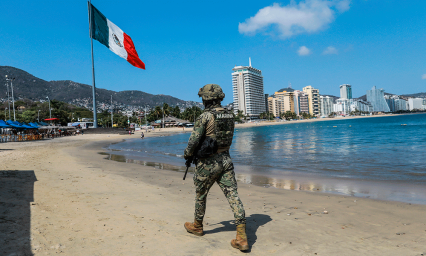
187, 44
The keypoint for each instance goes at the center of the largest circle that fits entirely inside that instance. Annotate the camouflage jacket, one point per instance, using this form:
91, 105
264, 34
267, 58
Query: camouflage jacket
205, 126
197, 133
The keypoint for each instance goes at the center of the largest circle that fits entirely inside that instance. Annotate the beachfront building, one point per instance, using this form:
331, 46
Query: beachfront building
396, 103
272, 106
346, 106
326, 105
360, 105
313, 98
390, 100
281, 102
400, 105
301, 102
247, 85
346, 91
341, 107
416, 104
266, 103
377, 98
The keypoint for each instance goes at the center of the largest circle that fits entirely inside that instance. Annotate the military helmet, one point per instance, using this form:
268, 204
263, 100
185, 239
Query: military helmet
211, 92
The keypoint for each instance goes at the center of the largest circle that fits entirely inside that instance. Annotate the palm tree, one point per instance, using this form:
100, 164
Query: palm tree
166, 109
176, 112
158, 111
240, 114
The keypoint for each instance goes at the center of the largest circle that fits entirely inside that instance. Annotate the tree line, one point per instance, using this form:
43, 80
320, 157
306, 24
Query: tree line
31, 111
189, 114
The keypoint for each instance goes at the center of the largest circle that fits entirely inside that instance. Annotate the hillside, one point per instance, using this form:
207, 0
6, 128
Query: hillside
416, 95
33, 88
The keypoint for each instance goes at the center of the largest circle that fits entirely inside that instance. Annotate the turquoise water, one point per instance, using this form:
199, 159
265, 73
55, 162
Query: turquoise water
380, 157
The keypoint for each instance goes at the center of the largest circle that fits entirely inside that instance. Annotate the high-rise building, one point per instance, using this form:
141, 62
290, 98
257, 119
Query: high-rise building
247, 85
360, 105
394, 103
272, 106
391, 103
313, 97
342, 106
416, 104
266, 103
377, 98
346, 106
301, 102
400, 104
346, 91
281, 102
326, 103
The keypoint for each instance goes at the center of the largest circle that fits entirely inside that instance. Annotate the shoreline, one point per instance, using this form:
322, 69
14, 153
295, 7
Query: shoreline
393, 191
82, 204
267, 123
390, 190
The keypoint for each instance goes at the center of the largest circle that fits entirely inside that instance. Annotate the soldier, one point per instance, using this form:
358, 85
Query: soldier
217, 123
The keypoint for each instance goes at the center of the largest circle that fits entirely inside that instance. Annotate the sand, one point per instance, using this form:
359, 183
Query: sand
61, 197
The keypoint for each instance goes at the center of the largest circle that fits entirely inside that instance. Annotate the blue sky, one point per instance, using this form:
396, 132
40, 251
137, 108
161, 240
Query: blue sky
187, 44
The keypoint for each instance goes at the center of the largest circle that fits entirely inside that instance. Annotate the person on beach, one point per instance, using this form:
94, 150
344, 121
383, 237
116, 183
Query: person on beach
215, 123
142, 135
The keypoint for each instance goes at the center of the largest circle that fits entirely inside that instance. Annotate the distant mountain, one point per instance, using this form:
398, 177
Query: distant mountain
27, 86
416, 95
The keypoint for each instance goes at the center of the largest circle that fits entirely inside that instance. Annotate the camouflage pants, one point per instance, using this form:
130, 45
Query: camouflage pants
217, 168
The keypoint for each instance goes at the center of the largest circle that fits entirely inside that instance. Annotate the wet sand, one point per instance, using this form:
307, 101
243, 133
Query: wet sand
61, 196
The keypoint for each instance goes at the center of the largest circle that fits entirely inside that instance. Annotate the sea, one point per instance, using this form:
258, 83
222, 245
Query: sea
380, 157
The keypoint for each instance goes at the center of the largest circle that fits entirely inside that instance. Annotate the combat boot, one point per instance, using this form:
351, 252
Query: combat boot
241, 241
195, 228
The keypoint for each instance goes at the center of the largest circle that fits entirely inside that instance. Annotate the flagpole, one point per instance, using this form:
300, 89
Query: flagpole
95, 120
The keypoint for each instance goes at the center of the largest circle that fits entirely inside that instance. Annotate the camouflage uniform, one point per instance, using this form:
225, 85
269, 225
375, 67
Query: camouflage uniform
216, 168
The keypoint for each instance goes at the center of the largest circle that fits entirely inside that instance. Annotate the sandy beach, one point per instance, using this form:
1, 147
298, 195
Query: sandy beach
61, 197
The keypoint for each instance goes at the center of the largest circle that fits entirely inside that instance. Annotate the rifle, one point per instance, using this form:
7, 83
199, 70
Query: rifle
188, 164
205, 149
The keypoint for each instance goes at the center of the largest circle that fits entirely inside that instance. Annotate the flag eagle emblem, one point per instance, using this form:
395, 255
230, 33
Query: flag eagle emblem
116, 40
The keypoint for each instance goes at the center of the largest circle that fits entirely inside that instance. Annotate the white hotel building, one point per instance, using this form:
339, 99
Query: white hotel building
326, 103
247, 85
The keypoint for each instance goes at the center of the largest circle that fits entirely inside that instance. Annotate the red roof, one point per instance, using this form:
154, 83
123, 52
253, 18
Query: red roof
51, 119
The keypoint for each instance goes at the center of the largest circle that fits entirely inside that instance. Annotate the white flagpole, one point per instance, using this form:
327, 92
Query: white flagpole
95, 120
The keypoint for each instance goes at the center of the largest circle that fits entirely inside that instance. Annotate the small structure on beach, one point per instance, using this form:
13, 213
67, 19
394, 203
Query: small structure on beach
170, 121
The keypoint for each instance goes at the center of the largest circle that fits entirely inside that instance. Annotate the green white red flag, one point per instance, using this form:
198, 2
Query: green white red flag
108, 34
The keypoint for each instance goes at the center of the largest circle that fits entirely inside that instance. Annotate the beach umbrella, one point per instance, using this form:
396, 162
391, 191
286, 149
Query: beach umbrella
14, 124
27, 126
33, 125
3, 124
75, 124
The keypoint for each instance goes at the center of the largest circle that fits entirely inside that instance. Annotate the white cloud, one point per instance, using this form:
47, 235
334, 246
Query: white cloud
424, 76
307, 16
303, 51
330, 50
343, 6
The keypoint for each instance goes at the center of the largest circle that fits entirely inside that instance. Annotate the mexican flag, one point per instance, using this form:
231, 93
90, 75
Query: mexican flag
108, 34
